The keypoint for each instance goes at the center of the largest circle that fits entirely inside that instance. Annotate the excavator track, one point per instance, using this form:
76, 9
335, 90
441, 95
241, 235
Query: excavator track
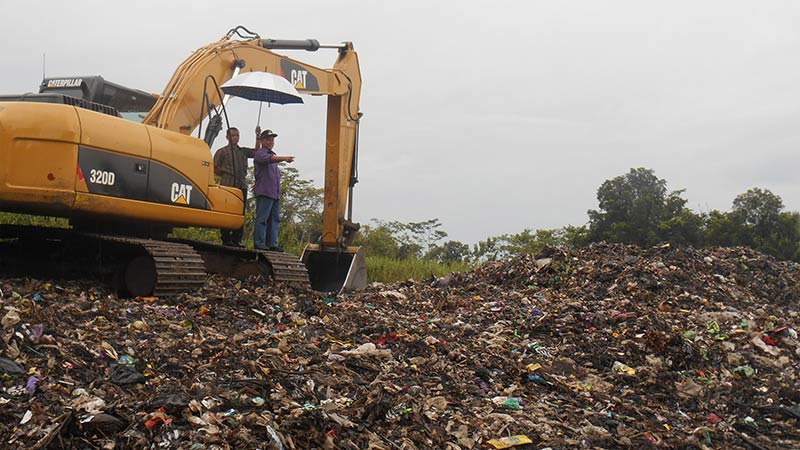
170, 268
140, 266
240, 262
286, 267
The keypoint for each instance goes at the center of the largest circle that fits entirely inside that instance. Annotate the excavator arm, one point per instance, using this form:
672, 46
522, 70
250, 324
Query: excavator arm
193, 92
181, 106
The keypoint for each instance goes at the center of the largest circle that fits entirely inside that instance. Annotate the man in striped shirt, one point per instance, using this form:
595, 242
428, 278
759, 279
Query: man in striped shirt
230, 164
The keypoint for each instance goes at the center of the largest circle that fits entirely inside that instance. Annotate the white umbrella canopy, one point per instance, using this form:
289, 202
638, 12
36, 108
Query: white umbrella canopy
263, 87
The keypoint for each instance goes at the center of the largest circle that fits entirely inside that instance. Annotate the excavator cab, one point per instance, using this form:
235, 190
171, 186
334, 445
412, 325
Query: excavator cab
131, 104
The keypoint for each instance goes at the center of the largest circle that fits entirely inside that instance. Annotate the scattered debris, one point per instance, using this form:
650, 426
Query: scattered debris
609, 346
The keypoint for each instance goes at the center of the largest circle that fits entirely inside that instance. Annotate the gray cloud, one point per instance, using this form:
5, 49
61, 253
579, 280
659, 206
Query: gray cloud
491, 116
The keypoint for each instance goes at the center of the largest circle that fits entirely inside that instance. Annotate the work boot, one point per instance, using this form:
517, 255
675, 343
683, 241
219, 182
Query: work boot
276, 249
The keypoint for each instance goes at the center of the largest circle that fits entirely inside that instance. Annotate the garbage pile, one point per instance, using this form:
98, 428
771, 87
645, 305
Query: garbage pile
605, 347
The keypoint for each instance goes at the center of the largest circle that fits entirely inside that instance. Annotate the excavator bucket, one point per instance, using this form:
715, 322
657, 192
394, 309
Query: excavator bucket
335, 270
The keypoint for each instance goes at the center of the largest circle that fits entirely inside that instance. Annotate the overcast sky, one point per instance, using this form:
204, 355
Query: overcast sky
492, 116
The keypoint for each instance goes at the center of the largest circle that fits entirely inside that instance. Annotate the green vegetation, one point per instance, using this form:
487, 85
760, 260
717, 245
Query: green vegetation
636, 208
301, 215
401, 251
384, 269
39, 221
200, 234
633, 208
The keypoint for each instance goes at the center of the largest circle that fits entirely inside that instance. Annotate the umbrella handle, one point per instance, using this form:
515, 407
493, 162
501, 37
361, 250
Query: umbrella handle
259, 113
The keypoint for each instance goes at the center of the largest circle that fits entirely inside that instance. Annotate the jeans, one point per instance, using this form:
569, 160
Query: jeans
268, 217
234, 236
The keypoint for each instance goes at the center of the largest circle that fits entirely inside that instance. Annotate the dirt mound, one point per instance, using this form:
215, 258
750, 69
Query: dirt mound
609, 346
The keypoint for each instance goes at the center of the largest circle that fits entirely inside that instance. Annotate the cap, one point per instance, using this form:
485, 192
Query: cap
267, 133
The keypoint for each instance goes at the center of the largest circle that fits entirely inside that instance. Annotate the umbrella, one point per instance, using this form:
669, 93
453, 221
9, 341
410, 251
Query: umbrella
262, 86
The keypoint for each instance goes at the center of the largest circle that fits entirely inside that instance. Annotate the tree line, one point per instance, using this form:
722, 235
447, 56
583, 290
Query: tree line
634, 208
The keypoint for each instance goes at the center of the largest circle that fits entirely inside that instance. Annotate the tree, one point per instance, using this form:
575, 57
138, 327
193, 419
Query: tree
685, 228
756, 221
449, 252
410, 240
398, 240
506, 245
574, 237
632, 208
726, 229
425, 234
784, 238
378, 240
487, 250
301, 210
759, 209
527, 241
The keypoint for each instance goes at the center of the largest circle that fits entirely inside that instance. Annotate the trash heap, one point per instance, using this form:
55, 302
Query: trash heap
605, 347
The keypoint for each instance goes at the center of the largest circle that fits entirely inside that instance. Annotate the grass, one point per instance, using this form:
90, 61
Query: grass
39, 221
387, 270
197, 233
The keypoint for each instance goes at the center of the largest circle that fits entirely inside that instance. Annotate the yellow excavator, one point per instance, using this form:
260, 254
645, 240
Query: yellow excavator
72, 151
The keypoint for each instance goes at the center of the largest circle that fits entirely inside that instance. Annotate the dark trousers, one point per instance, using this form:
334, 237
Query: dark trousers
235, 236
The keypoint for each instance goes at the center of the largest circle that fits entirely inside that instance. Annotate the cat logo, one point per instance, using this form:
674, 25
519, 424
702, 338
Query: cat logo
181, 193
299, 78
65, 83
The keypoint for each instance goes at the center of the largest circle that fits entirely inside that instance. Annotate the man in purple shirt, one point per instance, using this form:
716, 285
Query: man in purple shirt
267, 189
